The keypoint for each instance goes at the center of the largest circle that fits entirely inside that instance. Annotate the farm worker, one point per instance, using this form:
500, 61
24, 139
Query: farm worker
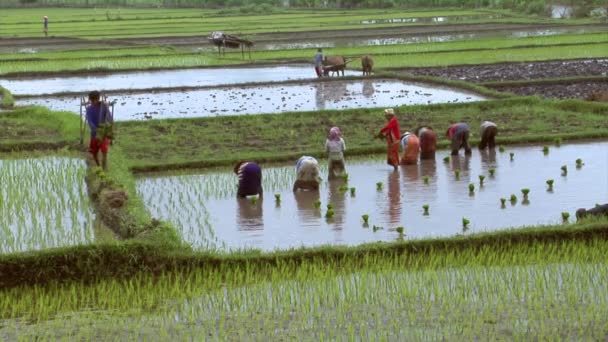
391, 133
599, 210
334, 146
458, 133
428, 142
250, 178
99, 117
45, 25
410, 145
319, 62
307, 169
487, 132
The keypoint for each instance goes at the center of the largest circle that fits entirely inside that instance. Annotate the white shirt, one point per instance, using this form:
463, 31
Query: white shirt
335, 149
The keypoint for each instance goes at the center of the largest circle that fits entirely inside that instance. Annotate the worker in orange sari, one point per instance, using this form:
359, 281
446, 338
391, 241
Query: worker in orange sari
391, 133
428, 142
410, 144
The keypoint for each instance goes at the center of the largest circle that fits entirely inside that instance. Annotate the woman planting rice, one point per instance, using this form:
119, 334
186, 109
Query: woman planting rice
410, 145
334, 146
458, 133
307, 169
391, 133
250, 178
428, 142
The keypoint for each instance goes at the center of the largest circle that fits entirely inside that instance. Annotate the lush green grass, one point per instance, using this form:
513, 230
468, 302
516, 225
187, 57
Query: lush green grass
37, 128
410, 283
176, 143
115, 23
6, 98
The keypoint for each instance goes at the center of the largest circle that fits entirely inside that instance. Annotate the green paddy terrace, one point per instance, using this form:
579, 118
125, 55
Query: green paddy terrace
125, 23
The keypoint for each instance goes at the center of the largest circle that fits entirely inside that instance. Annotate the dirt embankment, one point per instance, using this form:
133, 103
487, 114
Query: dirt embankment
530, 71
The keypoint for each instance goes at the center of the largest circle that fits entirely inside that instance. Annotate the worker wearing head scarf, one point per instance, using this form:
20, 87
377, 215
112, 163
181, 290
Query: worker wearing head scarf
391, 133
308, 174
487, 132
335, 147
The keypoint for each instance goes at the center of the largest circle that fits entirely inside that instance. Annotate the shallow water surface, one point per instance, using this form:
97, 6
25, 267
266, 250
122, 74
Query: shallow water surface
267, 99
160, 79
205, 208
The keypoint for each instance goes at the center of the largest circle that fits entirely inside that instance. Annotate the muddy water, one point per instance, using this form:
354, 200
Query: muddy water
440, 19
267, 99
160, 79
205, 208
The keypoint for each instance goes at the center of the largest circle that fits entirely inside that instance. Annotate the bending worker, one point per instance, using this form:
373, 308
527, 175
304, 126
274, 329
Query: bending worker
335, 146
410, 145
391, 133
487, 132
428, 142
458, 134
307, 169
250, 178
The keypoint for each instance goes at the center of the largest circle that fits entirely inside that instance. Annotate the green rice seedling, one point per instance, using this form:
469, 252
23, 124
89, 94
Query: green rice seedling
330, 206
400, 230
376, 228
512, 156
545, 149
502, 202
513, 199
457, 174
564, 169
492, 171
329, 213
343, 188
579, 163
525, 192
365, 218
345, 177
446, 159
565, 216
471, 188
501, 149
379, 186
425, 179
317, 204
253, 199
465, 224
550, 184
353, 192
425, 207
558, 142
481, 179
277, 197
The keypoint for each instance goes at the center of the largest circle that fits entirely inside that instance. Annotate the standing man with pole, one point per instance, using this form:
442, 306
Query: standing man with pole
100, 121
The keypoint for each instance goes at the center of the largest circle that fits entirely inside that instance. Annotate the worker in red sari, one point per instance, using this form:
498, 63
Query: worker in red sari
391, 133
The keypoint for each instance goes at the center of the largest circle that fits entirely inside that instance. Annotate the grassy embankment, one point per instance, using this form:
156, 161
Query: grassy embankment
440, 288
203, 142
389, 56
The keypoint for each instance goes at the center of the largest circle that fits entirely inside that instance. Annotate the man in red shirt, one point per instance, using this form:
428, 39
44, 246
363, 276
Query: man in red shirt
391, 133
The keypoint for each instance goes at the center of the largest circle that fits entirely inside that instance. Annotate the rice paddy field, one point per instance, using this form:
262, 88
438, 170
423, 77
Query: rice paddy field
158, 247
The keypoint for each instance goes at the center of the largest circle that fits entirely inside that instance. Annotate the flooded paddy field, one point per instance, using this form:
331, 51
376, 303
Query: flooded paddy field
204, 207
43, 204
277, 98
201, 77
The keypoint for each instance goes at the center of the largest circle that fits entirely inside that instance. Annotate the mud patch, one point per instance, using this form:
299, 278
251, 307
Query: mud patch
516, 71
578, 90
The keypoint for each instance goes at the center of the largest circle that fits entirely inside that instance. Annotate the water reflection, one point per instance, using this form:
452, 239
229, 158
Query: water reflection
305, 203
394, 198
488, 157
336, 197
250, 214
368, 88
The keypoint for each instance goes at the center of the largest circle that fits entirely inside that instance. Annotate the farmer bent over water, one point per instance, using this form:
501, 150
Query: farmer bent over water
250, 178
428, 142
307, 169
410, 145
100, 119
334, 146
391, 133
458, 133
487, 132
600, 210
